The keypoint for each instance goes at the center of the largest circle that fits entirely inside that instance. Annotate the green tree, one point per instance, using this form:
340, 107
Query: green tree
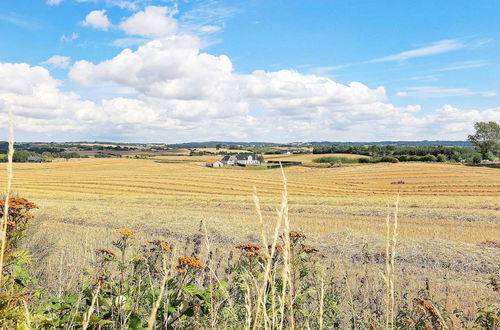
486, 138
47, 157
20, 156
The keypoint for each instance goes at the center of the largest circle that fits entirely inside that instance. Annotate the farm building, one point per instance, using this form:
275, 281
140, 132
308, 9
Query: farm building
34, 159
241, 159
214, 163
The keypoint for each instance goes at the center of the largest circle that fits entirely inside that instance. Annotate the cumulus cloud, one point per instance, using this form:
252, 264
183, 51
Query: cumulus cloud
58, 61
97, 19
171, 73
37, 101
178, 83
151, 22
170, 90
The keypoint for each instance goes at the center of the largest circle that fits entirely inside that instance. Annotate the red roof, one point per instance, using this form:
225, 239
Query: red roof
212, 161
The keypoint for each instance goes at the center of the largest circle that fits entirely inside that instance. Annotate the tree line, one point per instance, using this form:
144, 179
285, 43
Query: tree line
486, 141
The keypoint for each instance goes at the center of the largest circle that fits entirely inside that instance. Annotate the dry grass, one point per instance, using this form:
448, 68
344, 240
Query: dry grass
307, 159
446, 213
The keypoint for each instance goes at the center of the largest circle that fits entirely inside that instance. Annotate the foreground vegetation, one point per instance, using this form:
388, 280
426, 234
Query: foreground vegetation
281, 283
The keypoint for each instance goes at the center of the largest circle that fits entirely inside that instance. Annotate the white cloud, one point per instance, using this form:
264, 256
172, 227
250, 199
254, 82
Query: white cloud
435, 48
210, 29
128, 42
58, 61
178, 84
53, 2
207, 14
151, 22
432, 91
463, 65
424, 78
169, 90
71, 37
97, 19
124, 4
37, 101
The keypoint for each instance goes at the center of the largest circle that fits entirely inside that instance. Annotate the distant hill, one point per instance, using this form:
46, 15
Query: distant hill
213, 144
399, 143
232, 145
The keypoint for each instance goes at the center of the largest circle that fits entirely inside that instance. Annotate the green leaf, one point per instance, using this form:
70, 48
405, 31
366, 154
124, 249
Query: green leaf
190, 288
105, 322
171, 310
135, 323
71, 299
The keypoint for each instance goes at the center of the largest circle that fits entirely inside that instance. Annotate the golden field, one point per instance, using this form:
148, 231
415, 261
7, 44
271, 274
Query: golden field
438, 201
448, 231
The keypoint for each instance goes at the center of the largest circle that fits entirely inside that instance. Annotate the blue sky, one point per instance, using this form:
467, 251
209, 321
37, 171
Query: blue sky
249, 70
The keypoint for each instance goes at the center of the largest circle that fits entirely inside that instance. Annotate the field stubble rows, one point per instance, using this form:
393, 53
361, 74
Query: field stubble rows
449, 214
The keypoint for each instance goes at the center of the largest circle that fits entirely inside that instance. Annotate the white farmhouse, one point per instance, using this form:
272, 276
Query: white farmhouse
241, 159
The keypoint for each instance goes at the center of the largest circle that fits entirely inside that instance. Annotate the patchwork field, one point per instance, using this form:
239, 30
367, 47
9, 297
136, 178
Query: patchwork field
449, 215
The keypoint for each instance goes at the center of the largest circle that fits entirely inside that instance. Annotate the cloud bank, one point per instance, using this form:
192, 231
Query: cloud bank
178, 92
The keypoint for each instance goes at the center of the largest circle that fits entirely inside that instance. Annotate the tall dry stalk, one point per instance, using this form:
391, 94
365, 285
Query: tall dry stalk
86, 319
269, 256
163, 285
10, 175
264, 292
390, 265
286, 274
321, 303
213, 275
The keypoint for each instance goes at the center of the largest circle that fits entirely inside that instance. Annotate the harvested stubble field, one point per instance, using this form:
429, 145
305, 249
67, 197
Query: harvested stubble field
449, 217
308, 159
